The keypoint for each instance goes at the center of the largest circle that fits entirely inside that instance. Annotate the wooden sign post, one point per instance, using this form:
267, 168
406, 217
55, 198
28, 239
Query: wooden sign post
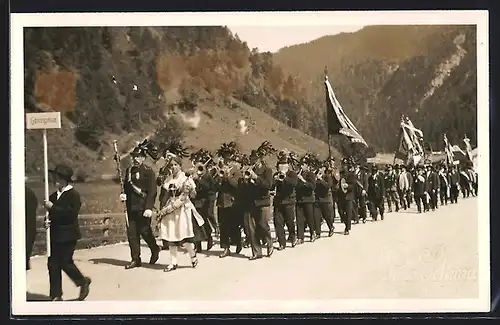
44, 121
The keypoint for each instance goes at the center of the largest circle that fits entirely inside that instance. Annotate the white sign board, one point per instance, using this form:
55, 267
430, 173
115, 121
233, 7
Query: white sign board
51, 120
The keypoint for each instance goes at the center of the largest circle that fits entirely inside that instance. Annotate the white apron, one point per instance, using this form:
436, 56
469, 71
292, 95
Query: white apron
178, 225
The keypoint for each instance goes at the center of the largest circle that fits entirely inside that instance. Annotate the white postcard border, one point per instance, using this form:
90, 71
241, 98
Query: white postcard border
18, 276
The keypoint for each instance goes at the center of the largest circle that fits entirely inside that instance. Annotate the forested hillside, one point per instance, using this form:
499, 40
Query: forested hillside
381, 72
130, 83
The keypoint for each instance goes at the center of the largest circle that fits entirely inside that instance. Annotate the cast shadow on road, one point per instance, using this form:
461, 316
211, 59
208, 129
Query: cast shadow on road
121, 263
30, 296
217, 253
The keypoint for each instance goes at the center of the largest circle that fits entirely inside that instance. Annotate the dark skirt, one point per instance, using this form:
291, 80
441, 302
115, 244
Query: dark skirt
199, 232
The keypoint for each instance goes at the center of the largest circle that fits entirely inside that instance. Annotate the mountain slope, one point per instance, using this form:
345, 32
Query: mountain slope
381, 72
131, 83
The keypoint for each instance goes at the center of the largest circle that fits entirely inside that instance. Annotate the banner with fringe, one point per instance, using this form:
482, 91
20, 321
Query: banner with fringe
410, 147
338, 122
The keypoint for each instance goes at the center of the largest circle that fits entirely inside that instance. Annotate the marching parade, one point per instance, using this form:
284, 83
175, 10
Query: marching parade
236, 196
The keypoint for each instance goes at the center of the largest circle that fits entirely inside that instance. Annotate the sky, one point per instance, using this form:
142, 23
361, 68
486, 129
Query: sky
272, 38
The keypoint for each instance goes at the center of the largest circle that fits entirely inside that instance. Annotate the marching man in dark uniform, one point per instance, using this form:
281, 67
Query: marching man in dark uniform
284, 202
454, 184
260, 181
335, 176
391, 188
376, 194
350, 186
419, 190
140, 195
362, 181
409, 176
465, 182
444, 185
432, 186
305, 200
205, 189
324, 201
228, 208
63, 207
403, 188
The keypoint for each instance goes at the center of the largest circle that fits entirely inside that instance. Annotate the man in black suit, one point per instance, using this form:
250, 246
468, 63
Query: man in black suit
284, 202
324, 201
260, 181
349, 197
419, 191
432, 187
31, 205
444, 185
454, 178
63, 207
305, 201
140, 194
228, 207
205, 191
362, 182
390, 185
376, 193
334, 173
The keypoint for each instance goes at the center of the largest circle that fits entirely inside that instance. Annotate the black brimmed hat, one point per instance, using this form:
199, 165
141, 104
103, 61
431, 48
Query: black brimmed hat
138, 151
63, 171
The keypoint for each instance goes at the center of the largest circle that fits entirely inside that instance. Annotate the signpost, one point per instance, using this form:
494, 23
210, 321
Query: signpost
44, 121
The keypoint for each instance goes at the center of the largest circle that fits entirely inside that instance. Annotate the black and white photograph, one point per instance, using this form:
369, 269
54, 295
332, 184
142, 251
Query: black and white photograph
250, 162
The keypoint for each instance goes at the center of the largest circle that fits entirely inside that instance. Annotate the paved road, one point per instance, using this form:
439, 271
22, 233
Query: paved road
408, 255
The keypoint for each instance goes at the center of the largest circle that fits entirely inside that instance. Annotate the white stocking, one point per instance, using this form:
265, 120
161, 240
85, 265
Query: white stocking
190, 249
173, 254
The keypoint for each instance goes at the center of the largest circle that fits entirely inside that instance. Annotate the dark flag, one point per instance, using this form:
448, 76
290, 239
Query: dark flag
338, 122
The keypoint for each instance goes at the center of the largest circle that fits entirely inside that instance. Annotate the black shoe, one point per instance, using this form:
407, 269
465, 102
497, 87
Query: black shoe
133, 264
382, 217
225, 253
84, 289
56, 299
155, 255
170, 267
280, 248
238, 249
245, 244
364, 220
210, 243
294, 242
300, 241
318, 236
346, 232
270, 251
331, 232
194, 262
255, 257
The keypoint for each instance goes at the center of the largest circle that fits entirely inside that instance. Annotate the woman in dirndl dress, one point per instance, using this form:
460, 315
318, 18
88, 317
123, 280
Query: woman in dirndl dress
180, 223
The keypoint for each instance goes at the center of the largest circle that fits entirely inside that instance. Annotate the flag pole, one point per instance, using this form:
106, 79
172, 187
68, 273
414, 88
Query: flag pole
327, 128
400, 137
